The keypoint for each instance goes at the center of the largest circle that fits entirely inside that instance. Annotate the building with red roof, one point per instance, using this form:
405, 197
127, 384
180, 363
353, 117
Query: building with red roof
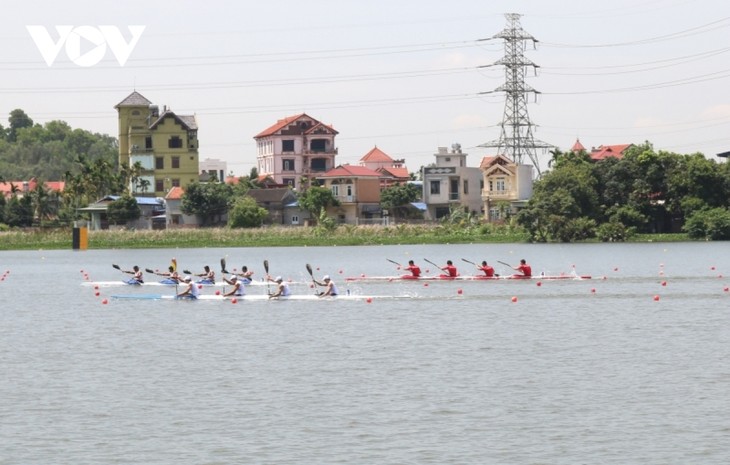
391, 171
295, 149
357, 188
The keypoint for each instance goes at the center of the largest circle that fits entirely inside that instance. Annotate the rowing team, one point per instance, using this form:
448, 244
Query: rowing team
191, 290
173, 277
450, 270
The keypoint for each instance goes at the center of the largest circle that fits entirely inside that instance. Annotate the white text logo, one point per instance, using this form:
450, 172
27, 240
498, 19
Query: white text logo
94, 40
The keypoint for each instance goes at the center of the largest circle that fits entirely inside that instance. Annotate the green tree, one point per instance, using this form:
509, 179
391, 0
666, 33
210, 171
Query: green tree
316, 198
396, 198
208, 201
710, 223
245, 213
18, 120
19, 211
123, 210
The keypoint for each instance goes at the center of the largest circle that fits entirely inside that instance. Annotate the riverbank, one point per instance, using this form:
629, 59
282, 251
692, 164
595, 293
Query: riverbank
282, 237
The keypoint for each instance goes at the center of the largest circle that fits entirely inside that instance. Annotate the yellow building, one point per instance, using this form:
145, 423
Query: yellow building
164, 144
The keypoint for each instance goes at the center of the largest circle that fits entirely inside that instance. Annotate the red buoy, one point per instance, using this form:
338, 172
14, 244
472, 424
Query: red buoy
514, 299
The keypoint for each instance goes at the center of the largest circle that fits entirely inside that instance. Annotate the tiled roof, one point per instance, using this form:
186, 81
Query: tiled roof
607, 151
135, 99
577, 147
399, 173
349, 171
376, 155
6, 188
175, 193
186, 121
283, 123
490, 160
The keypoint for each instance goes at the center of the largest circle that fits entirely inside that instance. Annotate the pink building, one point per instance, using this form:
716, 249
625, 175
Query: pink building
296, 149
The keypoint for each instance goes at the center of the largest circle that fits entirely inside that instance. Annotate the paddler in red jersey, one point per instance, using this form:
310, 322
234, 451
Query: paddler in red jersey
415, 271
523, 268
450, 270
487, 269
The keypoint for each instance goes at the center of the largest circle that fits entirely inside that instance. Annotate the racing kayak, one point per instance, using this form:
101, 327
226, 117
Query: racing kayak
467, 278
165, 283
248, 297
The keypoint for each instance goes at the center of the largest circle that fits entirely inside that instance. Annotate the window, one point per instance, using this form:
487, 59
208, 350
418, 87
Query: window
319, 164
159, 185
288, 181
148, 142
335, 190
500, 184
287, 164
175, 142
294, 219
435, 187
287, 145
466, 186
176, 162
176, 182
159, 163
349, 189
318, 145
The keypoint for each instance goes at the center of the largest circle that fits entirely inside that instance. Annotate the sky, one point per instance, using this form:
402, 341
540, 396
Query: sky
406, 76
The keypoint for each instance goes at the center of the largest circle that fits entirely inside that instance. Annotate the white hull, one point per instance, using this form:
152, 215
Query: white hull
251, 297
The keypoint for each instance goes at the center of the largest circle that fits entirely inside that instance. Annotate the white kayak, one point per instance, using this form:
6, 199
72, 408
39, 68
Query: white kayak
167, 284
258, 297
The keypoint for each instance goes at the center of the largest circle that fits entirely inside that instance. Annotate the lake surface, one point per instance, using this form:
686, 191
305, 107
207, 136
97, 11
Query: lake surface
630, 367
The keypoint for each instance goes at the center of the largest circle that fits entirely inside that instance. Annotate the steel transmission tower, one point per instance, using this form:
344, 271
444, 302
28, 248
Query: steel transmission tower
516, 140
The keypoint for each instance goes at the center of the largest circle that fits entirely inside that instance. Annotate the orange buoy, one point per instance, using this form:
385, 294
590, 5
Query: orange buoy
656, 298
217, 292
104, 301
234, 301
514, 299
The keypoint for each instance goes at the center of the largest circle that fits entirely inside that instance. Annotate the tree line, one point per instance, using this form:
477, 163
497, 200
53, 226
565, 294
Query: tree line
644, 191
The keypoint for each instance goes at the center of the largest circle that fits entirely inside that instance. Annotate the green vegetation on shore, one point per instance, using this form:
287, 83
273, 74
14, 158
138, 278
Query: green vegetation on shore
283, 237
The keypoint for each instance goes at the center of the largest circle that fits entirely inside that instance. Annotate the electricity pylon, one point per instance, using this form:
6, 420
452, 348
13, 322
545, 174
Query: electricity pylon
516, 140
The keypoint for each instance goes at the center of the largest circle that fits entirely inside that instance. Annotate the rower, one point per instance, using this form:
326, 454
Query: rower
237, 284
208, 276
415, 271
488, 270
137, 276
282, 287
330, 288
190, 291
524, 268
450, 270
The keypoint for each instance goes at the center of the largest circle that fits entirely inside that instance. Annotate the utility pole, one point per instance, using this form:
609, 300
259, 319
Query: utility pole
516, 140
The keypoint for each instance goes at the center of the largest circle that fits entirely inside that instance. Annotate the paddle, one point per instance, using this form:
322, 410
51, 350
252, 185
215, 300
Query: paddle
505, 264
148, 270
266, 269
223, 266
188, 272
391, 261
432, 263
468, 261
309, 269
123, 271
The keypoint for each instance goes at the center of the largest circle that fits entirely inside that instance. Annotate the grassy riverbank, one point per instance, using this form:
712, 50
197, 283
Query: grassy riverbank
282, 237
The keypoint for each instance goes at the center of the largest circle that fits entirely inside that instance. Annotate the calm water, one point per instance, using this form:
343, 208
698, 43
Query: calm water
573, 372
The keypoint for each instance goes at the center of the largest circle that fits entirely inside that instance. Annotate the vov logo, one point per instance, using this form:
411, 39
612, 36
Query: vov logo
94, 39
